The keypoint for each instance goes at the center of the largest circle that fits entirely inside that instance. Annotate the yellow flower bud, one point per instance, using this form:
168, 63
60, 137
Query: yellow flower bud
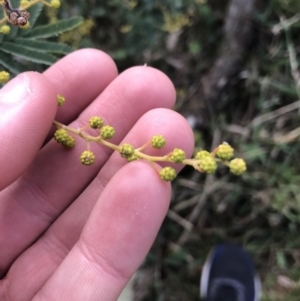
5, 29
167, 174
55, 3
237, 166
87, 158
4, 77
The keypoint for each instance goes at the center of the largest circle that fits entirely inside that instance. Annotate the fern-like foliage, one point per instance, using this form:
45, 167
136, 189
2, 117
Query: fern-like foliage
22, 46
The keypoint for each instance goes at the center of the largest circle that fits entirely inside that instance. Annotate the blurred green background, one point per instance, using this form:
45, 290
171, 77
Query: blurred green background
257, 113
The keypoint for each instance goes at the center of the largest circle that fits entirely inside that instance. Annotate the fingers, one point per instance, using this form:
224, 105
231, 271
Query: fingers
80, 77
56, 177
19, 205
115, 240
27, 107
47, 254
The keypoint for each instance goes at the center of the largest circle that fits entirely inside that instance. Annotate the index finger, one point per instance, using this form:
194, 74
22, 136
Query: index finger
80, 77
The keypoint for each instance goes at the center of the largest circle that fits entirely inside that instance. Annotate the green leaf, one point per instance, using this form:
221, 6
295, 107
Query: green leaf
281, 260
27, 53
15, 3
284, 88
7, 62
13, 32
55, 29
44, 46
1, 13
34, 11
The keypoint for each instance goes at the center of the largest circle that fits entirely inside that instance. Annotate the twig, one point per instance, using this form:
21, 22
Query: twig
176, 248
274, 114
186, 203
293, 57
179, 220
237, 129
209, 181
287, 137
285, 23
195, 199
196, 211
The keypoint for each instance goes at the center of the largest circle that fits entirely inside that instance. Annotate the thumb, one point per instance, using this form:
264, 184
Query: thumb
27, 108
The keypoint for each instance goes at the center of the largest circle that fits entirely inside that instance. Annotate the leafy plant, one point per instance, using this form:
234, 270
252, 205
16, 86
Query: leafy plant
20, 46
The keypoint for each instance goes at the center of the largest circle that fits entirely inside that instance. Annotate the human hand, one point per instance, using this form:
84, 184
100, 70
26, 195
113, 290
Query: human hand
67, 231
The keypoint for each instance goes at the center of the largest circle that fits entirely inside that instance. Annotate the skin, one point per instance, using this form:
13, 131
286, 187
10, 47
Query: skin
67, 231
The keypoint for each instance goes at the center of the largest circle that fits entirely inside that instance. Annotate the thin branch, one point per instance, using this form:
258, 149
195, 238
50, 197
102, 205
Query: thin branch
292, 55
285, 24
274, 114
179, 220
287, 137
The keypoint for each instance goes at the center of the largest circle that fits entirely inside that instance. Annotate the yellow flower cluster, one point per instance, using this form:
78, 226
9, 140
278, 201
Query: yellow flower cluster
55, 3
204, 161
24, 3
173, 23
74, 37
4, 77
5, 29
62, 137
60, 100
